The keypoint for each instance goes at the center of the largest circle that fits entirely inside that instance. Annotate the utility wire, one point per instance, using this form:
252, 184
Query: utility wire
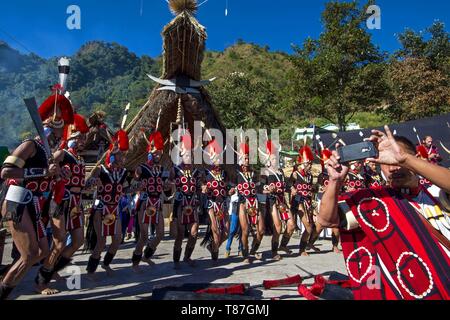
15, 40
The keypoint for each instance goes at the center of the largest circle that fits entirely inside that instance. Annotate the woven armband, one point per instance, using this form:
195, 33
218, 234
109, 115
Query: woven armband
14, 161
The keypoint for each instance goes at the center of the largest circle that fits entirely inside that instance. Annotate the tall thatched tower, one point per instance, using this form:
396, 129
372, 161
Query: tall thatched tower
184, 44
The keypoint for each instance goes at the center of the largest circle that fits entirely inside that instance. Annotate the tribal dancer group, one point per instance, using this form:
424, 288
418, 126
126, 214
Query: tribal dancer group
390, 212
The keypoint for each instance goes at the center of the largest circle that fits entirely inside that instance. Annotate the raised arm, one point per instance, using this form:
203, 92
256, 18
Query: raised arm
438, 175
328, 215
390, 153
13, 167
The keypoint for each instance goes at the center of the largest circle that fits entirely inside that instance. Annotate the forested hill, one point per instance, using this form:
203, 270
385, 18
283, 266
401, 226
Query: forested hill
106, 76
340, 77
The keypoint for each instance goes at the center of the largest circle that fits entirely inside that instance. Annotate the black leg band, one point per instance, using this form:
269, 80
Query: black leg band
108, 259
303, 245
255, 246
334, 240
285, 241
5, 291
44, 276
274, 247
136, 259
92, 265
62, 263
188, 253
215, 256
176, 255
148, 253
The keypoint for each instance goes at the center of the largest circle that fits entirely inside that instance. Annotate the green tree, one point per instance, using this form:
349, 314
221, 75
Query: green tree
245, 102
341, 73
436, 49
419, 74
417, 90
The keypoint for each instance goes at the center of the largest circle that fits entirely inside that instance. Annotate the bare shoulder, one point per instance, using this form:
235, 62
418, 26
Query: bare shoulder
26, 150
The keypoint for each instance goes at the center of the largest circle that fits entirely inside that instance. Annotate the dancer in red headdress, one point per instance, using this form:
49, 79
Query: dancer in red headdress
111, 182
275, 187
68, 214
30, 174
187, 180
251, 217
150, 199
323, 181
302, 195
216, 189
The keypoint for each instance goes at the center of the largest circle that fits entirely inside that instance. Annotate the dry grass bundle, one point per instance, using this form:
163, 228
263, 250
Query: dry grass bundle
179, 6
184, 45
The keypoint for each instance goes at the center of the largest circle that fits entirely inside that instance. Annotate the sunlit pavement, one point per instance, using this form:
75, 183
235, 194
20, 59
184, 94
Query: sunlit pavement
125, 284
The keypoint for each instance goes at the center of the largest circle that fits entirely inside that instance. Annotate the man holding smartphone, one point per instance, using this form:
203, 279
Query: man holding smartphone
396, 235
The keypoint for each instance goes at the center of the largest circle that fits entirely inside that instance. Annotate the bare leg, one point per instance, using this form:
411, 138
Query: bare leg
101, 243
143, 239
153, 244
177, 248
335, 236
77, 237
190, 245
24, 236
277, 224
112, 250
245, 230
225, 231
306, 233
290, 228
216, 236
59, 243
259, 236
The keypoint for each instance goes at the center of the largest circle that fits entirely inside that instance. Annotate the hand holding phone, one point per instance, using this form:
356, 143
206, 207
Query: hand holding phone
357, 152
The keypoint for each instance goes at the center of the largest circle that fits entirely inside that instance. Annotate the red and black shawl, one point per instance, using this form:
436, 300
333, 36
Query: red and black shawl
395, 253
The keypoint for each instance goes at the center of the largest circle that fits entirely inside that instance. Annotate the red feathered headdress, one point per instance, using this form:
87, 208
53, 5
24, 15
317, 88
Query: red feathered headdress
120, 142
271, 148
326, 155
78, 127
213, 147
155, 142
186, 141
57, 107
305, 155
80, 124
245, 149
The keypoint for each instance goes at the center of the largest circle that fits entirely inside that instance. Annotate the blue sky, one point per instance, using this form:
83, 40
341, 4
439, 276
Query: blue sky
41, 25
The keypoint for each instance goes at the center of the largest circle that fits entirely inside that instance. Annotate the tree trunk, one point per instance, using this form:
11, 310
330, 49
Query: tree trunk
341, 123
